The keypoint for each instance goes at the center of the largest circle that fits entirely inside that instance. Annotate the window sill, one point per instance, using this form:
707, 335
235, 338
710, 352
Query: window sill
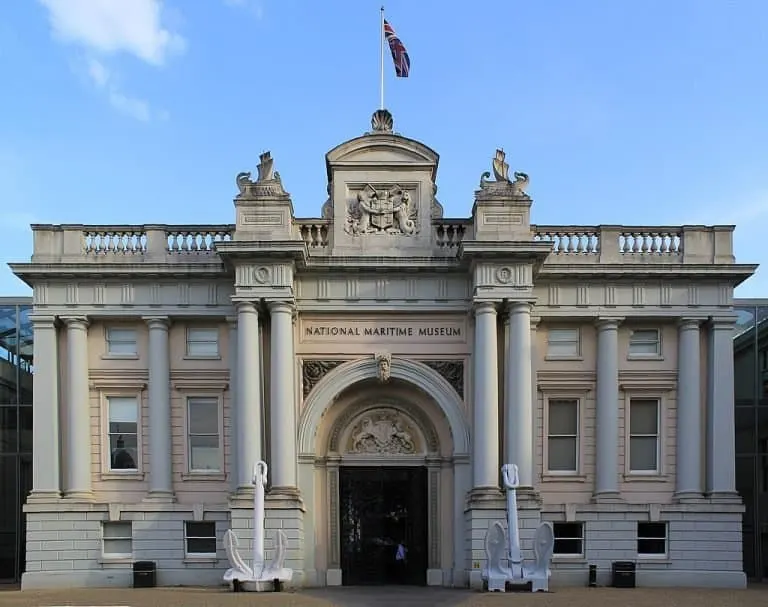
212, 357
554, 477
654, 559
120, 357
564, 358
116, 560
207, 560
204, 476
645, 477
567, 558
645, 357
114, 475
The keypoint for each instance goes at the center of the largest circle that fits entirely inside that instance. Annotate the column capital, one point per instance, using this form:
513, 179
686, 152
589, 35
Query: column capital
42, 321
518, 307
724, 322
281, 306
231, 321
157, 322
606, 323
484, 307
535, 321
246, 307
688, 323
75, 322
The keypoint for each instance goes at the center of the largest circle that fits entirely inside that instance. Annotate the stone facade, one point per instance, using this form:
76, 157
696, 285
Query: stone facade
169, 358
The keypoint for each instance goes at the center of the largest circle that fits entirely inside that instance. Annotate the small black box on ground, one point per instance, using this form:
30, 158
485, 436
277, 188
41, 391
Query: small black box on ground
144, 574
623, 574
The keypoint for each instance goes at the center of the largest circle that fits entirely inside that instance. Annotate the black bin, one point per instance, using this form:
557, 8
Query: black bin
623, 574
144, 574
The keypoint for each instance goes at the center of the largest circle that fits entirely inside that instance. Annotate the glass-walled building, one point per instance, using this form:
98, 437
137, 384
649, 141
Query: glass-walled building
15, 431
751, 384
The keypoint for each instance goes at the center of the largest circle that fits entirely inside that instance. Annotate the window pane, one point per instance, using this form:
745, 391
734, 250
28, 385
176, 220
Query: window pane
563, 349
117, 530
652, 530
202, 348
202, 334
204, 453
642, 453
563, 335
567, 530
643, 416
563, 417
121, 347
203, 416
124, 452
201, 529
122, 410
561, 454
201, 546
121, 335
644, 336
568, 546
644, 348
118, 546
645, 546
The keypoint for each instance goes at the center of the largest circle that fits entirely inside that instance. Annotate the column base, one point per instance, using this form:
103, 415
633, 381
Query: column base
606, 497
43, 497
483, 495
79, 496
159, 496
724, 497
689, 497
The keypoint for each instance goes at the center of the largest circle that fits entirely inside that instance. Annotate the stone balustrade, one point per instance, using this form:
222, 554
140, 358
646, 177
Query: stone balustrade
570, 244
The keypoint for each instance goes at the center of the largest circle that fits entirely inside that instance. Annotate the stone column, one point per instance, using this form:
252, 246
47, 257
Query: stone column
688, 481
232, 321
607, 418
519, 401
46, 470
248, 415
721, 448
282, 399
485, 436
78, 462
159, 403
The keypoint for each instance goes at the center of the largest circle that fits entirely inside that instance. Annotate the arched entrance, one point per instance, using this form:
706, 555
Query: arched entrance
390, 455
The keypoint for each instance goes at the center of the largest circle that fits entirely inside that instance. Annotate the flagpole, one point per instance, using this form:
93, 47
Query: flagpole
381, 61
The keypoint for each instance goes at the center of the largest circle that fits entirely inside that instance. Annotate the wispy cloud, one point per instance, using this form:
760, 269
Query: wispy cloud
255, 7
106, 28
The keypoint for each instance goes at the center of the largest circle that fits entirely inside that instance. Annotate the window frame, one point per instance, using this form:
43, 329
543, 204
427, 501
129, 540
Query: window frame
110, 556
189, 330
564, 396
108, 354
577, 355
639, 538
657, 355
189, 472
660, 434
187, 537
582, 538
107, 473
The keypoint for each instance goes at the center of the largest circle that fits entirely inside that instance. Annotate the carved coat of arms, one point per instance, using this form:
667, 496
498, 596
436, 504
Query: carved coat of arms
383, 211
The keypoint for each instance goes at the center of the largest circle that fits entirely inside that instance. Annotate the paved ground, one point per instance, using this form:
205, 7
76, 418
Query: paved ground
398, 597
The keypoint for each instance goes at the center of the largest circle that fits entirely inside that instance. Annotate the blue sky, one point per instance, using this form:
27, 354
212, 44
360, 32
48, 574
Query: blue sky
647, 112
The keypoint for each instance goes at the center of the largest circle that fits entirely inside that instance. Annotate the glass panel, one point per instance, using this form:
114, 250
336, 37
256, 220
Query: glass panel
202, 342
201, 545
745, 356
203, 416
204, 453
643, 416
118, 546
121, 410
9, 506
642, 454
651, 546
568, 546
25, 429
201, 529
117, 530
563, 349
745, 485
8, 429
124, 451
561, 454
746, 435
568, 530
563, 417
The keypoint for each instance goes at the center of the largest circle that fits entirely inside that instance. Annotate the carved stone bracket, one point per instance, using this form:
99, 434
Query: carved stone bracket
451, 370
312, 371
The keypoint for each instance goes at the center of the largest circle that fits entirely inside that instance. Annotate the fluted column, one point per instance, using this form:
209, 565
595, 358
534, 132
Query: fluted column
249, 418
232, 359
78, 463
519, 401
721, 448
282, 397
160, 445
688, 465
607, 418
46, 470
485, 440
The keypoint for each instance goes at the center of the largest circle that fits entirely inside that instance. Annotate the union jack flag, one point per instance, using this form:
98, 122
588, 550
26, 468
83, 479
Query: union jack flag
399, 54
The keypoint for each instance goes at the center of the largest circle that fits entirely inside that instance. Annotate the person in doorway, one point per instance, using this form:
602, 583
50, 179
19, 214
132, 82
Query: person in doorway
401, 561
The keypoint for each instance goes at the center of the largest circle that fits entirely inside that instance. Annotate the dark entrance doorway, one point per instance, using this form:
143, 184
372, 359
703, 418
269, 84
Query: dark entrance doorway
381, 507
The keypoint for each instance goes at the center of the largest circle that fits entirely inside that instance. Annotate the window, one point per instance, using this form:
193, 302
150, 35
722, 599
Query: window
121, 342
123, 433
645, 343
117, 539
202, 342
563, 435
563, 343
203, 435
200, 538
644, 435
651, 539
569, 539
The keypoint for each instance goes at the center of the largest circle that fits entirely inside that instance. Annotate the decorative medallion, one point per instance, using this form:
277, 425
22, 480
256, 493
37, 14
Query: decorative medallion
312, 371
261, 275
382, 432
504, 275
451, 370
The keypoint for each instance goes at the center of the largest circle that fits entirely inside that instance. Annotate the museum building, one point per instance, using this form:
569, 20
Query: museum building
385, 361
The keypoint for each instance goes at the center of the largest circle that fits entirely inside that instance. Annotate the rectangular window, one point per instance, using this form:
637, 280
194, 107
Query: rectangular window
121, 342
200, 538
202, 342
645, 342
569, 539
204, 445
652, 539
123, 433
644, 435
563, 343
563, 435
117, 539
